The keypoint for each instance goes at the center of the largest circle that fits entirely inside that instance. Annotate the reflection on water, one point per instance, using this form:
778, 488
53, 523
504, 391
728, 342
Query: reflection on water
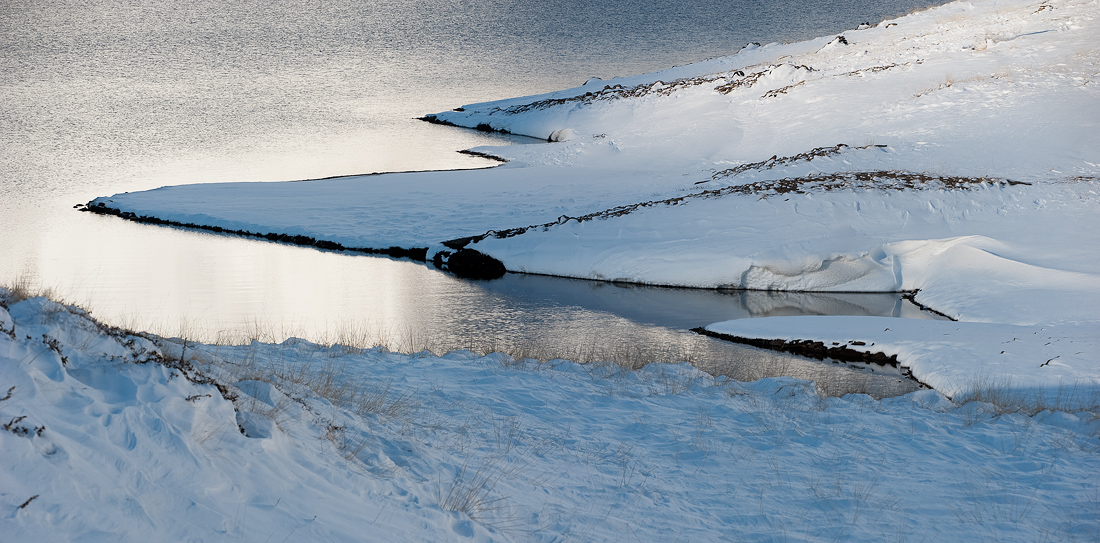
242, 289
209, 283
100, 97
689, 308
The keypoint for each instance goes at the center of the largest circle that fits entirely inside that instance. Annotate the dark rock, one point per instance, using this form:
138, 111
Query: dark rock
807, 348
459, 243
329, 245
471, 264
439, 260
912, 297
434, 120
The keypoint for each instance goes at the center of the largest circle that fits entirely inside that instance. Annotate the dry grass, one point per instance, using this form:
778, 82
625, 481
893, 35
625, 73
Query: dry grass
808, 156
471, 491
880, 180
1001, 396
615, 362
26, 286
321, 368
739, 79
619, 92
872, 180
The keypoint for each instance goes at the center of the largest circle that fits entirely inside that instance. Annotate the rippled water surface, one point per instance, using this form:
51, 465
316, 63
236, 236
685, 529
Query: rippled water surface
103, 97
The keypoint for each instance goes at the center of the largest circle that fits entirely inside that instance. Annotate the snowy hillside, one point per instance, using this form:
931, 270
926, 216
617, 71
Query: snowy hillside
107, 436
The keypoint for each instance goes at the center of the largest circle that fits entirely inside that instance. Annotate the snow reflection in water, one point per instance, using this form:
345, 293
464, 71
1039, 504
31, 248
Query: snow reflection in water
240, 289
411, 307
631, 324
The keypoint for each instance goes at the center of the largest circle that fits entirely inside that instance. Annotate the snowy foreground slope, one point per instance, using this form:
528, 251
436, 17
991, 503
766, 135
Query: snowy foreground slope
107, 436
954, 152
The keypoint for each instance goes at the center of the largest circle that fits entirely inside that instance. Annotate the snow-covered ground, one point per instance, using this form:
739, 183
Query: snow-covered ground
107, 436
954, 151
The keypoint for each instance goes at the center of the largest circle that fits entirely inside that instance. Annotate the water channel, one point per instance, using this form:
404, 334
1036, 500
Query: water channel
103, 97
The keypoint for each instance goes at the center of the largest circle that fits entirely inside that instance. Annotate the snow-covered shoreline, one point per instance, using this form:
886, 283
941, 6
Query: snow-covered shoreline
111, 436
633, 138
954, 152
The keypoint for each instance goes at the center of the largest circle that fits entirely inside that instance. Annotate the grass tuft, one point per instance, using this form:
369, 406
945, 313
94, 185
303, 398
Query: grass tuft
25, 287
1002, 396
472, 491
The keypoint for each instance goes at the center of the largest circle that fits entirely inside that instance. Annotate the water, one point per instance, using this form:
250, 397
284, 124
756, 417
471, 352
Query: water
104, 97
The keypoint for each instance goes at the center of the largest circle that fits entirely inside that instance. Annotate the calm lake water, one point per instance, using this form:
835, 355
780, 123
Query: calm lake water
104, 97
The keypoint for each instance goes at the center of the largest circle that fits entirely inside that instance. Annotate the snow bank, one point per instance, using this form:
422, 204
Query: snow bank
110, 437
955, 357
850, 241
105, 440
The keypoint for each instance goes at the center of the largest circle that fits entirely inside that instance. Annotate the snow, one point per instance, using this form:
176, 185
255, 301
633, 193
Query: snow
953, 151
404, 210
954, 357
941, 102
109, 436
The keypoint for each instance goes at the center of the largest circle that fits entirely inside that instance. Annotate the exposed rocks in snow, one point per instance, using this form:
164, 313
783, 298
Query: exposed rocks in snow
483, 155
774, 161
810, 349
875, 180
782, 71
